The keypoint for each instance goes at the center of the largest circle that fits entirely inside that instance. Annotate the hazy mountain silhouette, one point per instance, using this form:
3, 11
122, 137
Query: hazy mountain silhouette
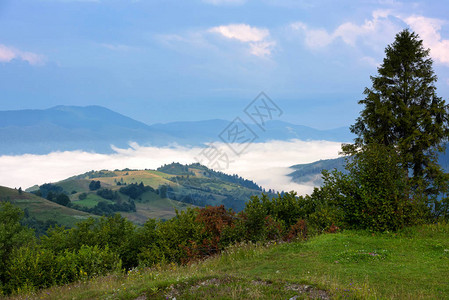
95, 128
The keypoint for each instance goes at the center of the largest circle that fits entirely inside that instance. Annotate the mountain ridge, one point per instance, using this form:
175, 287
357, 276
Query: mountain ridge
95, 128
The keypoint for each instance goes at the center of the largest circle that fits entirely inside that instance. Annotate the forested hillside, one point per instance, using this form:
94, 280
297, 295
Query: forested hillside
142, 194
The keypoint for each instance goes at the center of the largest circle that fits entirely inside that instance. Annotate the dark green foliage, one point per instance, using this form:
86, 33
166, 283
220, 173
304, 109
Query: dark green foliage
12, 236
82, 196
148, 244
97, 246
210, 190
183, 172
108, 194
162, 191
375, 194
62, 199
53, 193
40, 227
104, 208
114, 232
266, 218
94, 185
393, 178
402, 110
175, 169
48, 188
135, 190
95, 174
37, 267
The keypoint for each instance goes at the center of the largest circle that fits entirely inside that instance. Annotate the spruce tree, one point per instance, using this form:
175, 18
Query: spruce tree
402, 111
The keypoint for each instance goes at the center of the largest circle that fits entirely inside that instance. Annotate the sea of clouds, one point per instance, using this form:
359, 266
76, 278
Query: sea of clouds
265, 163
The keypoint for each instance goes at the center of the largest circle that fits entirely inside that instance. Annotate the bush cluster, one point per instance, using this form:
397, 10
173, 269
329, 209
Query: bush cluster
376, 193
107, 244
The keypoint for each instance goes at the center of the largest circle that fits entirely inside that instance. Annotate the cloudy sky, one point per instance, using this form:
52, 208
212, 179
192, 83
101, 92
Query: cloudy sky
164, 60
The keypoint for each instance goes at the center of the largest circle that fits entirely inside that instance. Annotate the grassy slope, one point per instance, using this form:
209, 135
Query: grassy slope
148, 177
42, 209
91, 200
150, 206
413, 264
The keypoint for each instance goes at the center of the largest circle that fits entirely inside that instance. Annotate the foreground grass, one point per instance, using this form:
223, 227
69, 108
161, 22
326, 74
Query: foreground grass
412, 264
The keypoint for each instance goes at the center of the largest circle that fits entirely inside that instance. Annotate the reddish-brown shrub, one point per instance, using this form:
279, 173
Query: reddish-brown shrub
215, 218
273, 229
333, 229
297, 231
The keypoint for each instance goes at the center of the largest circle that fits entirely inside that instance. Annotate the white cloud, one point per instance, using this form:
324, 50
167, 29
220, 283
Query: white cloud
258, 39
429, 31
379, 31
262, 49
265, 163
379, 27
8, 54
242, 32
314, 38
227, 40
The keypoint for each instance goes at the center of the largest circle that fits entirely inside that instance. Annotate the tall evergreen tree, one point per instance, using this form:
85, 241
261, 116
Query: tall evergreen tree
402, 110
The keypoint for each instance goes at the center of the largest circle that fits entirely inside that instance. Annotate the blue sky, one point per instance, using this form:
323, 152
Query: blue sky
162, 61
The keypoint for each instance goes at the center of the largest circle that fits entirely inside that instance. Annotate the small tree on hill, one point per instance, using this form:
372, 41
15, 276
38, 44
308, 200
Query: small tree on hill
62, 199
94, 185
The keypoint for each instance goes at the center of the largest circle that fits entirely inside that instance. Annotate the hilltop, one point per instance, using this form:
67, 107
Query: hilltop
142, 194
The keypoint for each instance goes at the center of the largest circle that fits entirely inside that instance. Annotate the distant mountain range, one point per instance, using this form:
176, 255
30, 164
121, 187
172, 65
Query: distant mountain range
311, 173
95, 128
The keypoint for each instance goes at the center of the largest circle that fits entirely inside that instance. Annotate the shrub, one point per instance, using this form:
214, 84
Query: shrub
63, 199
273, 229
135, 190
88, 261
12, 236
30, 267
178, 233
297, 231
375, 194
36, 267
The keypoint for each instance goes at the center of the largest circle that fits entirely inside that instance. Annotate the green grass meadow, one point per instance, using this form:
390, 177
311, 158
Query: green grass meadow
91, 200
410, 264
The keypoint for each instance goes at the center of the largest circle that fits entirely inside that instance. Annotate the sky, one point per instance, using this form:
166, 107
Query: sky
163, 60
